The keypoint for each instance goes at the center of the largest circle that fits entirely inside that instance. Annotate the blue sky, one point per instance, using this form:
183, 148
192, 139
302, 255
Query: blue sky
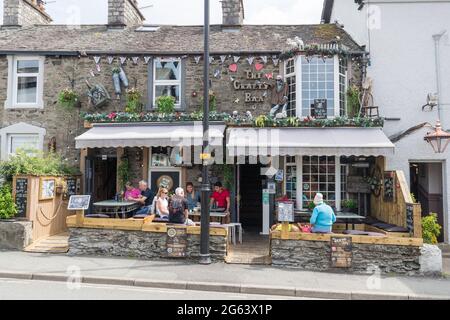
187, 11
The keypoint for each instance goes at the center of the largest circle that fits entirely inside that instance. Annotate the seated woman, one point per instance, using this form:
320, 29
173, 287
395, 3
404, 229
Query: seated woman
131, 193
323, 216
162, 204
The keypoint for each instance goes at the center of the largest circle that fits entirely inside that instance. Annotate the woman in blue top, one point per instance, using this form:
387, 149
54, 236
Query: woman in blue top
323, 216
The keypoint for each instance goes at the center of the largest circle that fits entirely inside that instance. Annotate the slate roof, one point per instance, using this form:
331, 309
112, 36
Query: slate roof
167, 40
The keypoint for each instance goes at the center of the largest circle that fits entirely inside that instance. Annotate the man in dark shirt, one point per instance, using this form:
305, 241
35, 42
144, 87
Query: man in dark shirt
145, 199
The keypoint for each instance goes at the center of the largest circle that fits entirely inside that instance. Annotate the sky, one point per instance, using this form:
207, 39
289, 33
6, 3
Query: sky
186, 12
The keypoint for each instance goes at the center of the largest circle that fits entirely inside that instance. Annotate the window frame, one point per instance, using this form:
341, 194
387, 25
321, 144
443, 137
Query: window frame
13, 76
10, 137
167, 82
299, 86
292, 109
19, 129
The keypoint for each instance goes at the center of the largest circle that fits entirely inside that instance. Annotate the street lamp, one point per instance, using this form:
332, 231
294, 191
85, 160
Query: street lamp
439, 139
205, 156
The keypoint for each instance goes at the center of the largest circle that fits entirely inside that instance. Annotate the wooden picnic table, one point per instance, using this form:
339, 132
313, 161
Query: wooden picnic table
113, 207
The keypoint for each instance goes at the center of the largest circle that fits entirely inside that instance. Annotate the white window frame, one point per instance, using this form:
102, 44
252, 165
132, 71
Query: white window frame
337, 182
167, 82
299, 79
22, 135
289, 75
11, 101
19, 129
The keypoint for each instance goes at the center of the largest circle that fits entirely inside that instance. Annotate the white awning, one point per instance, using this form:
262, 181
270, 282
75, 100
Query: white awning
148, 135
308, 141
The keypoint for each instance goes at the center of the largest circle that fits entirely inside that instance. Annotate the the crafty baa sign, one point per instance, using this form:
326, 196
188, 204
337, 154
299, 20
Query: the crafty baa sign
254, 83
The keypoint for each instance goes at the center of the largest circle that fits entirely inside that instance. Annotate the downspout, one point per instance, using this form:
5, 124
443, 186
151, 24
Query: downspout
437, 38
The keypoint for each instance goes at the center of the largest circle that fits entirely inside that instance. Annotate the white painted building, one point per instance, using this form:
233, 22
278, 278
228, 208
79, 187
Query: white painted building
399, 37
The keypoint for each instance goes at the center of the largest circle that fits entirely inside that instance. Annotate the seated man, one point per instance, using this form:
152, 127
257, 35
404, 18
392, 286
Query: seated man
178, 211
323, 216
145, 199
221, 199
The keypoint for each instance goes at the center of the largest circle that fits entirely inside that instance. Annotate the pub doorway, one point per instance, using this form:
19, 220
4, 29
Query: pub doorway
255, 248
427, 187
101, 175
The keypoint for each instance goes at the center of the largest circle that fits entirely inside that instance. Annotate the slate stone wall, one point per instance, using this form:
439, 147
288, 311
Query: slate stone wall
136, 244
315, 256
123, 12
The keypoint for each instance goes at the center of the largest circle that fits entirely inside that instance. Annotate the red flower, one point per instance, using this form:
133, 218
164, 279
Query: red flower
112, 115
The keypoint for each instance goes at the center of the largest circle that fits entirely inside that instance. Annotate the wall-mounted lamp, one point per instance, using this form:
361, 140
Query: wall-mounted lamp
439, 139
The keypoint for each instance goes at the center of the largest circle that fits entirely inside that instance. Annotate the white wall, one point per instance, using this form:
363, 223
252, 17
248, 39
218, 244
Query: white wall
403, 71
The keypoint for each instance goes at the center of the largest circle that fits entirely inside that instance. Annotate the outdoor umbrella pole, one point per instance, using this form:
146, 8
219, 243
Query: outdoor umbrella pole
204, 235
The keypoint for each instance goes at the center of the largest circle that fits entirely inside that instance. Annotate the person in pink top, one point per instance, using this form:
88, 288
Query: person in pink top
131, 193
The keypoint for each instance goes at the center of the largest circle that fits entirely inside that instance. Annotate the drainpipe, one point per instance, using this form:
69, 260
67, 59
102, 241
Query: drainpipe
437, 39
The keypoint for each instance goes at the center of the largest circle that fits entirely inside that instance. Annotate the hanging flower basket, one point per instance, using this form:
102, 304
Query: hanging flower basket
69, 99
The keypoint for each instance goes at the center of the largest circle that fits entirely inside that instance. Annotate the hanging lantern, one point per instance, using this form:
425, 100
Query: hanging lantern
439, 139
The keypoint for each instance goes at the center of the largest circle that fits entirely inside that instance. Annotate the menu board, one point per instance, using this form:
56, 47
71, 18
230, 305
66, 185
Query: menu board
71, 186
341, 252
319, 109
176, 241
285, 211
410, 217
389, 186
21, 196
356, 184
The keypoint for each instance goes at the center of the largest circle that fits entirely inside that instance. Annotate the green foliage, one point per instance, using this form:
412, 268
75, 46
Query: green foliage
353, 104
7, 206
430, 228
68, 99
35, 163
123, 172
349, 204
134, 101
228, 176
165, 104
116, 69
311, 205
413, 197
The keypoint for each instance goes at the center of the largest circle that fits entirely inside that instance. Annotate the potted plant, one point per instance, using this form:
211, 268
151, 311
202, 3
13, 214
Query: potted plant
69, 99
134, 103
311, 206
165, 104
430, 229
349, 204
353, 101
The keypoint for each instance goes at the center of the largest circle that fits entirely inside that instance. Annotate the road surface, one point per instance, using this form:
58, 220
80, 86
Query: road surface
13, 289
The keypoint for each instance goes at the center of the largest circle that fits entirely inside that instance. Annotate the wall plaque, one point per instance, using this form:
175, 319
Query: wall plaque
176, 241
341, 252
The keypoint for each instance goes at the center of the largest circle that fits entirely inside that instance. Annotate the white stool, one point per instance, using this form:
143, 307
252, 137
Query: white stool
236, 225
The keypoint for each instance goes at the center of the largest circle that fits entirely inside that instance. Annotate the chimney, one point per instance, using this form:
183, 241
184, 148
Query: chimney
124, 13
232, 13
17, 13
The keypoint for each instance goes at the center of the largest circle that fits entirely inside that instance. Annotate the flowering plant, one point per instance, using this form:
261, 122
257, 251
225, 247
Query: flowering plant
68, 98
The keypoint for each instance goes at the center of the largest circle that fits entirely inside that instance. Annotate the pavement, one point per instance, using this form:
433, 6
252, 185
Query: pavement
218, 277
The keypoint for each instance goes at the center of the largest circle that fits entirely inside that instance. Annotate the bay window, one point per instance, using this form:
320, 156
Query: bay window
25, 82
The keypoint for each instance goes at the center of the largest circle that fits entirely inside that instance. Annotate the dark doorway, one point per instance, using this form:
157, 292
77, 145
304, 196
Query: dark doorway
250, 211
101, 177
427, 188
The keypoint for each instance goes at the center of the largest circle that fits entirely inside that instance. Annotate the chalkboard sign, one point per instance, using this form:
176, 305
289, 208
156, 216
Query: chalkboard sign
410, 217
71, 187
341, 252
357, 184
21, 196
319, 109
389, 186
176, 241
